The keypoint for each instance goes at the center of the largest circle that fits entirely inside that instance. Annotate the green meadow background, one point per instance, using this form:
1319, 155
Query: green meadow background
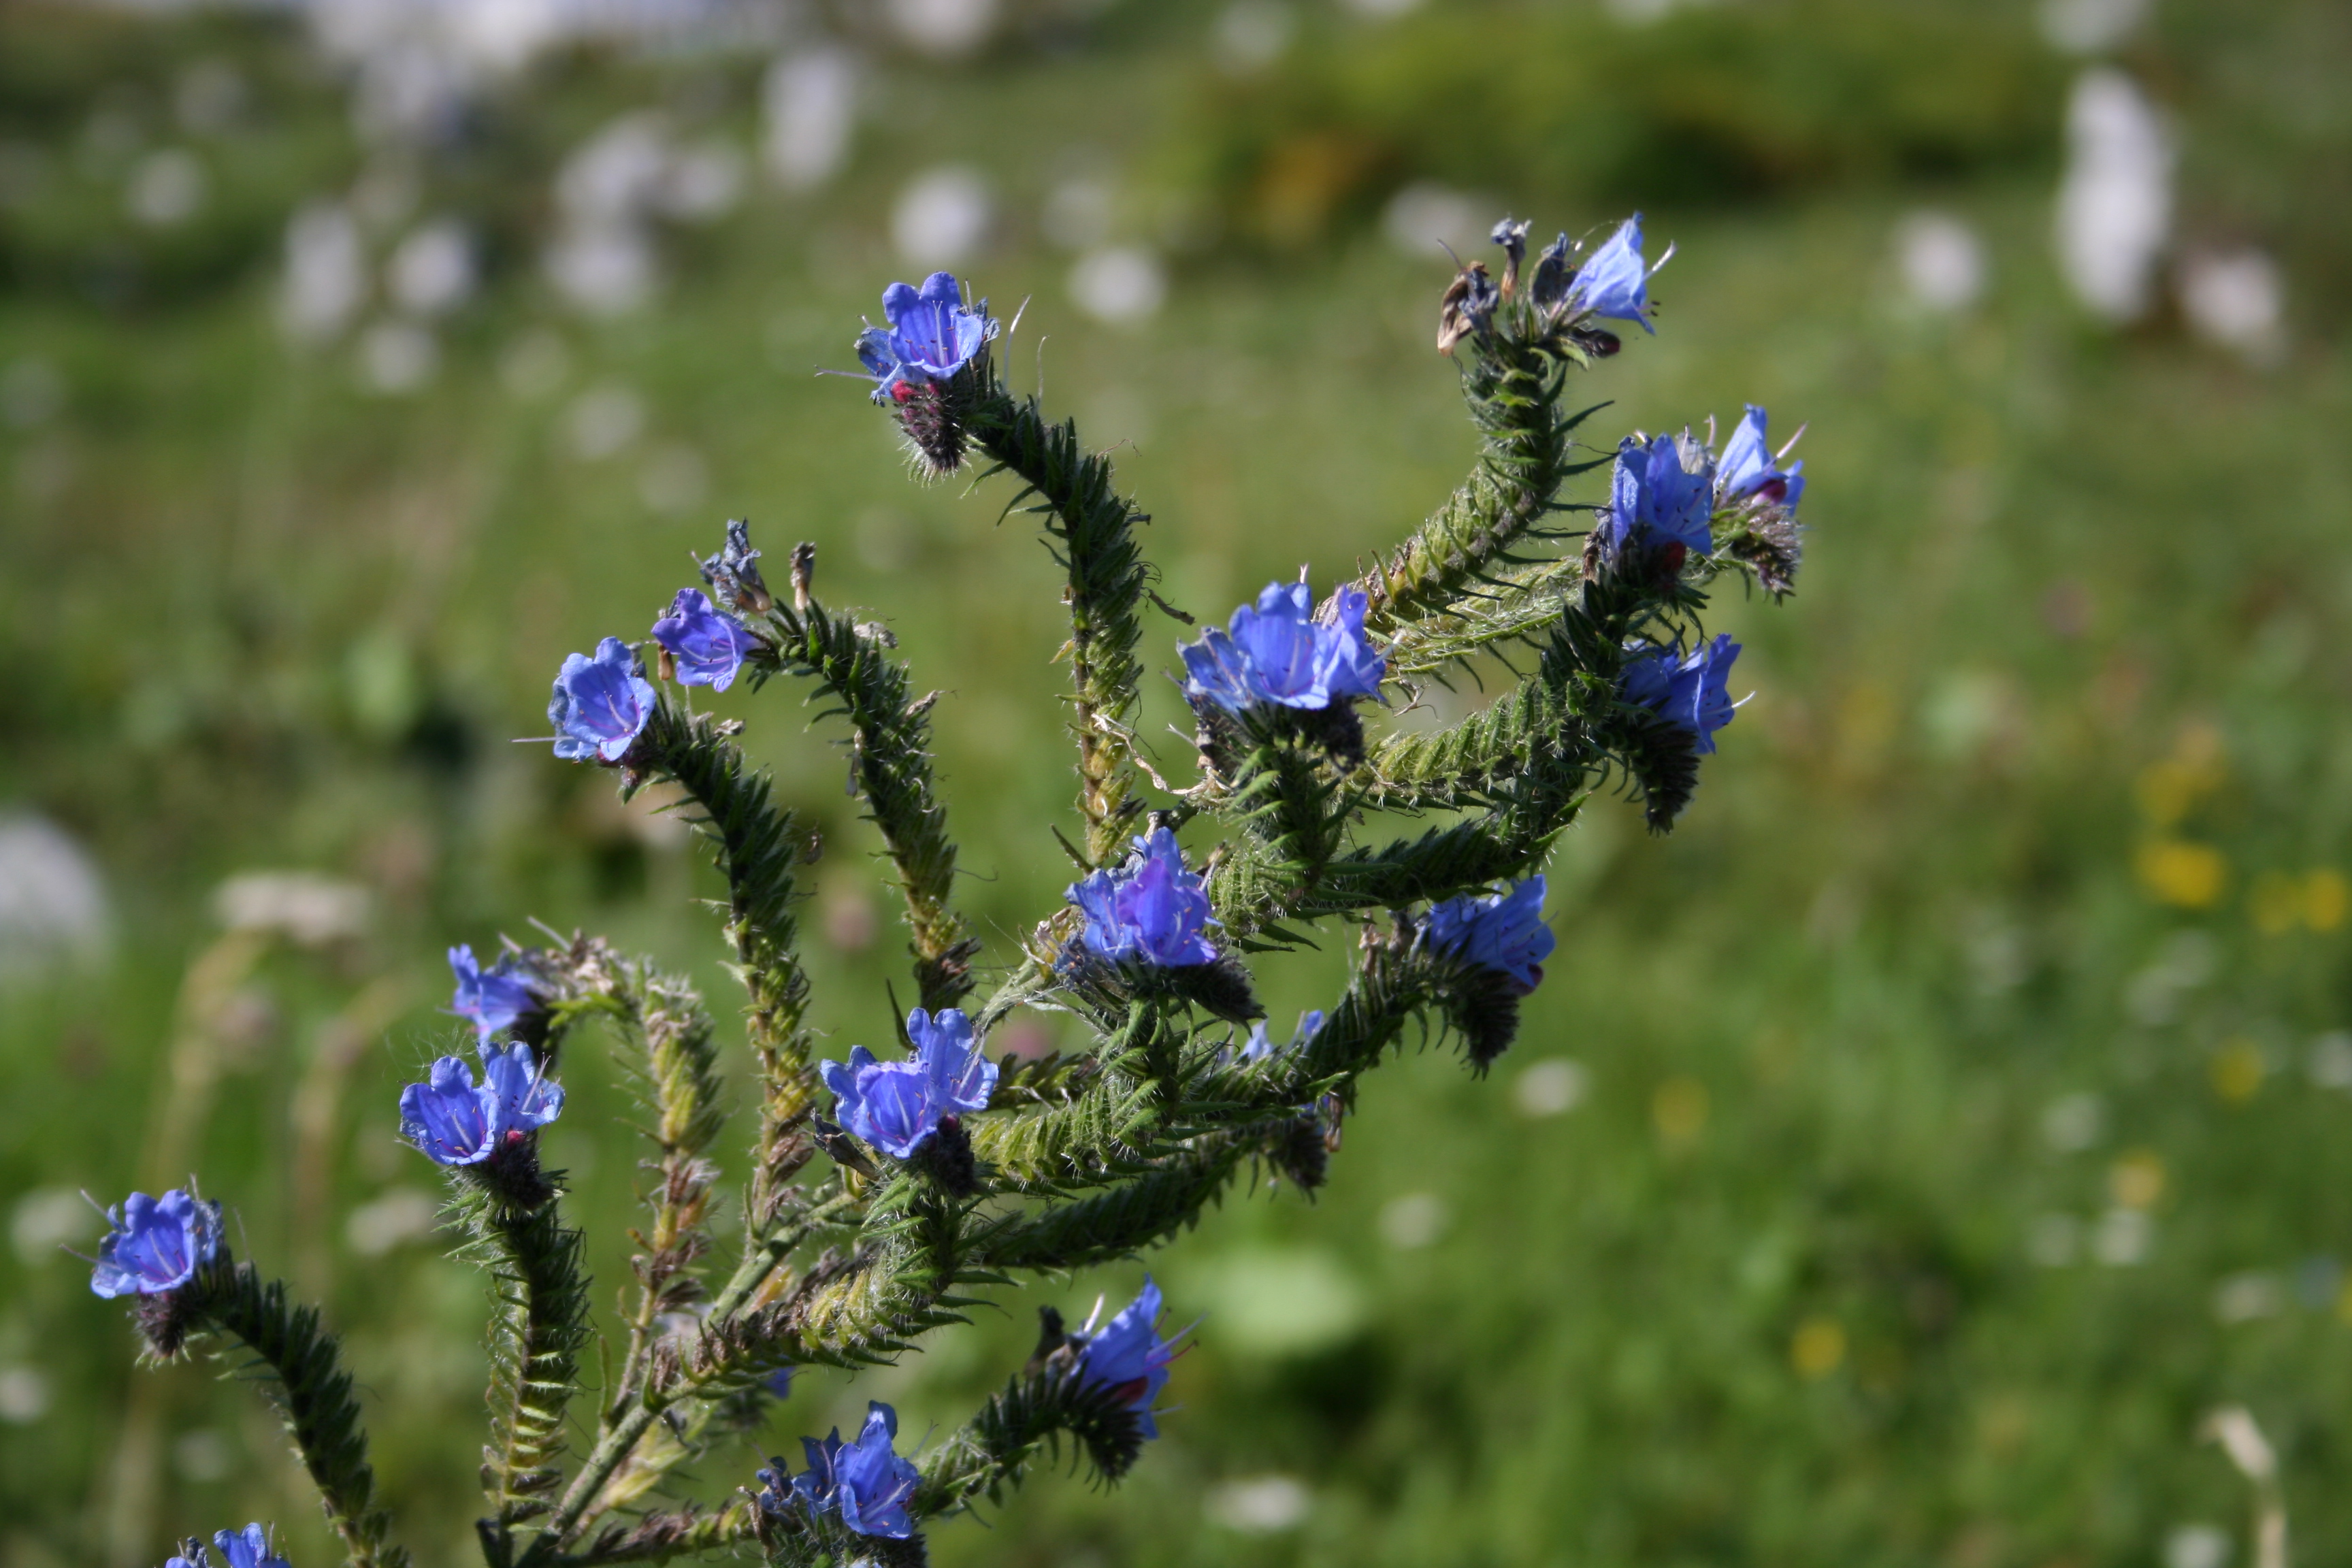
1901, 1163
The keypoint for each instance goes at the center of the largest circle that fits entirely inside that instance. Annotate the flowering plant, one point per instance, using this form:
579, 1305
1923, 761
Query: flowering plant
888, 1190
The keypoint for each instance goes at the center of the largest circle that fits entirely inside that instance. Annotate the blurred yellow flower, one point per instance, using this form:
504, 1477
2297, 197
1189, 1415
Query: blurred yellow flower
2275, 902
2237, 1069
1679, 1111
2170, 789
2326, 900
2136, 1180
2176, 871
1818, 1347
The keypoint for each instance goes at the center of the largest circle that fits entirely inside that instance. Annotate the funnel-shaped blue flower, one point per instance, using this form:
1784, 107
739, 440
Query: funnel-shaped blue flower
897, 1106
865, 1483
157, 1244
599, 704
1278, 652
1687, 690
453, 1121
1127, 1355
1751, 470
1150, 909
1615, 282
933, 334
1661, 492
247, 1547
492, 998
707, 648
1503, 931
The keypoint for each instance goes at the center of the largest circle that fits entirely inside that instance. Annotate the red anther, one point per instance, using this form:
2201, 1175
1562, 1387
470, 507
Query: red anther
1774, 491
903, 391
1671, 557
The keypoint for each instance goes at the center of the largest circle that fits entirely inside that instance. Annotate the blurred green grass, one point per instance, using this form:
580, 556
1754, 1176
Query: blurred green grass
1893, 1015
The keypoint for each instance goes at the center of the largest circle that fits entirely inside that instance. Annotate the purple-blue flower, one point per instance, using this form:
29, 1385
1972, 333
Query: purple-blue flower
453, 1121
1750, 469
931, 335
247, 1547
1129, 1355
1280, 652
864, 1482
1502, 932
1151, 907
493, 997
1662, 492
1260, 1045
157, 1244
895, 1106
1615, 282
1687, 690
707, 646
600, 704
192, 1554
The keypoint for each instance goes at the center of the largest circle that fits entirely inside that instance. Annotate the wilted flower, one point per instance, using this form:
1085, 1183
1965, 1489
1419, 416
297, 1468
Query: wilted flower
1686, 690
707, 646
1614, 283
933, 334
897, 1106
1467, 307
734, 573
157, 1244
1260, 1045
1151, 907
1127, 1355
192, 1554
453, 1121
600, 704
1279, 652
1661, 495
493, 997
247, 1547
1503, 931
1750, 468
864, 1482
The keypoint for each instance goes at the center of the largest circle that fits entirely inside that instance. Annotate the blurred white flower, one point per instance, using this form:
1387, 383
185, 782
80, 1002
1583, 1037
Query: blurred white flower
535, 365
1423, 217
24, 1395
616, 174
674, 479
808, 105
2198, 1546
1259, 1505
1414, 1220
1118, 283
46, 1219
203, 1456
1253, 33
1078, 212
167, 188
432, 271
304, 907
31, 393
702, 183
209, 97
53, 905
2115, 204
397, 358
2053, 1240
2330, 1062
1381, 10
2237, 300
944, 28
2090, 27
401, 1215
326, 272
604, 268
2074, 1123
603, 420
1551, 1087
941, 218
2243, 1298
407, 90
1941, 259
2123, 1237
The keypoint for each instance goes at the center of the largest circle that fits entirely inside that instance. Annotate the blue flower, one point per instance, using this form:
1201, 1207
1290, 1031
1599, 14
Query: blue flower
157, 1244
1129, 1356
897, 1106
707, 646
778, 1383
1750, 469
1503, 931
247, 1547
1261, 1044
1662, 492
1615, 282
1279, 653
933, 334
1151, 907
600, 704
1685, 689
864, 1482
493, 997
192, 1554
453, 1121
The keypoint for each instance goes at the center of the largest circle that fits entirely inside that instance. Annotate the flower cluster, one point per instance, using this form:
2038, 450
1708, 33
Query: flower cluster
1688, 690
600, 704
1758, 501
1150, 909
1612, 285
897, 1107
933, 334
1661, 496
453, 1121
864, 1484
247, 1548
701, 646
157, 1244
1128, 1356
492, 998
1279, 652
1503, 931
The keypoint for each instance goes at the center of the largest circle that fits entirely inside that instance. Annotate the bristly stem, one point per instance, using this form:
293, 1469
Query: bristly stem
1091, 530
890, 739
314, 1397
